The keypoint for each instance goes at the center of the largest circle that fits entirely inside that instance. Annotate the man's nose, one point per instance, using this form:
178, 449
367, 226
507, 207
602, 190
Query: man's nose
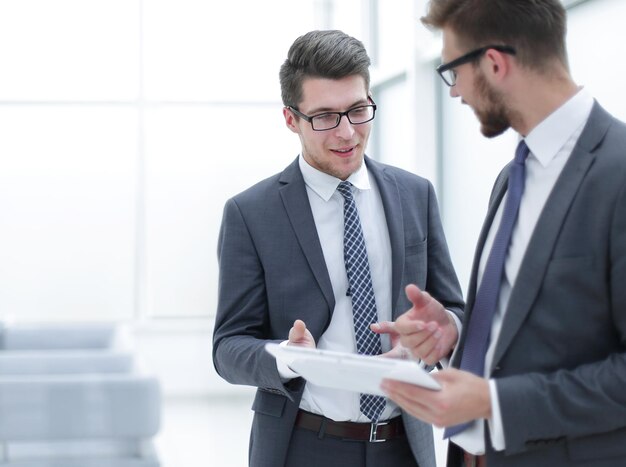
345, 129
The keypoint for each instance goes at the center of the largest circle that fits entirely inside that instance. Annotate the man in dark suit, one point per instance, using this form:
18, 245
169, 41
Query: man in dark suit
283, 276
540, 368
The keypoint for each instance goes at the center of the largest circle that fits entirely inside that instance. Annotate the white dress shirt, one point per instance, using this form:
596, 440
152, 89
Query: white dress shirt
327, 207
551, 144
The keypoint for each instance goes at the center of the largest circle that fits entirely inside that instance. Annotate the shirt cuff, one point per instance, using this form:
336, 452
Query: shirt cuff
284, 371
496, 429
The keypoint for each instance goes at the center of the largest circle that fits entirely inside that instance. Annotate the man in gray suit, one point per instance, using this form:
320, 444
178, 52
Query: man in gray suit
551, 378
283, 277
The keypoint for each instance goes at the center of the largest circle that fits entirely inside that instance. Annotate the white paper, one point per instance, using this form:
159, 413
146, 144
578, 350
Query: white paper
350, 372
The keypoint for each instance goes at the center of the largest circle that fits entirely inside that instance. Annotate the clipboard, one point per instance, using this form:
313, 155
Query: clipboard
350, 372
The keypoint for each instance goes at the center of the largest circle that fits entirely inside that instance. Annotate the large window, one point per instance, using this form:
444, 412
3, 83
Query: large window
125, 126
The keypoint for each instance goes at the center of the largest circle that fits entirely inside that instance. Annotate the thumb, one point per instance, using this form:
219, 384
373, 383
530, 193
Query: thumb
296, 333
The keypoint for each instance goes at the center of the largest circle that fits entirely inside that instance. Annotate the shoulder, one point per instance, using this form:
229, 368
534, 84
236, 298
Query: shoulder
604, 137
258, 191
268, 189
603, 133
400, 176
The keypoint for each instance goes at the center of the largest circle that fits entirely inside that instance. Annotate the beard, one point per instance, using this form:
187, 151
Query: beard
494, 118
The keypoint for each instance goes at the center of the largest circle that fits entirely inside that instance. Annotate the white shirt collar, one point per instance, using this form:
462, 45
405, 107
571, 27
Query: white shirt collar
547, 138
325, 185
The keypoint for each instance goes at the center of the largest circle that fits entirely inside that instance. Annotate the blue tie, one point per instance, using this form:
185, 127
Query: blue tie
361, 292
479, 327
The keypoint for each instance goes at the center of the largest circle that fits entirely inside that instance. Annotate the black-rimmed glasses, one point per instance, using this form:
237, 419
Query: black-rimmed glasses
447, 70
329, 120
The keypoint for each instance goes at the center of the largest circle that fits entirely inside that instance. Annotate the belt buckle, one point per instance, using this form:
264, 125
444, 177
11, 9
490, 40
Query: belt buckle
374, 431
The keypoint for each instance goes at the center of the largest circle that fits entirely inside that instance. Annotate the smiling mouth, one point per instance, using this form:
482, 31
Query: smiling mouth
344, 150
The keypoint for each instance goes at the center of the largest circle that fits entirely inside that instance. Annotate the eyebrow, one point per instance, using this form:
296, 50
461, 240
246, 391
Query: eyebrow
328, 109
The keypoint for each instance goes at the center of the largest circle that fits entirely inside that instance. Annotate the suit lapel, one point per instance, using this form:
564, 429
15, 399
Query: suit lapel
545, 235
296, 202
498, 192
392, 204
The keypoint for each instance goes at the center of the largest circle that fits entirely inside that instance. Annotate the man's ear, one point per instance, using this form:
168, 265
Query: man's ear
498, 65
290, 120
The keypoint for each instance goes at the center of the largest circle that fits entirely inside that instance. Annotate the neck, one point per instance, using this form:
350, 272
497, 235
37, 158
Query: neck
537, 96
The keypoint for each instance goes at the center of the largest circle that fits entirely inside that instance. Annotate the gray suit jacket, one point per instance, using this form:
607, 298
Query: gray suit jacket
560, 360
272, 271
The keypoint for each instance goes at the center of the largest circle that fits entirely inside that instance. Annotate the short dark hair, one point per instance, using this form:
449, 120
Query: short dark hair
535, 28
328, 54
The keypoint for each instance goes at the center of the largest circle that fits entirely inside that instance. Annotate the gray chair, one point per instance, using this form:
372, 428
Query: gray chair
72, 396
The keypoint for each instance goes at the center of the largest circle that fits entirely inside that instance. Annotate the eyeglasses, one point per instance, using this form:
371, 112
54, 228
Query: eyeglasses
329, 120
447, 70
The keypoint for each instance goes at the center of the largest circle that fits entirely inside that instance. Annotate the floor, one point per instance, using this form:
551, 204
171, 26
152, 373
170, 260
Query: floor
213, 432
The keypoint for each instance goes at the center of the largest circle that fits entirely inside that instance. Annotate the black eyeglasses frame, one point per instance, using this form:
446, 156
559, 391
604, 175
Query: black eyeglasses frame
309, 118
469, 57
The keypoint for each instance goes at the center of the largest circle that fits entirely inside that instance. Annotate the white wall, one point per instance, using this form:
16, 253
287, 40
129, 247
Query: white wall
596, 38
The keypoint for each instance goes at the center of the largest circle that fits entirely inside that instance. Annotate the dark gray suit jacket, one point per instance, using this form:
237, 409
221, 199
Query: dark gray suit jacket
560, 360
272, 271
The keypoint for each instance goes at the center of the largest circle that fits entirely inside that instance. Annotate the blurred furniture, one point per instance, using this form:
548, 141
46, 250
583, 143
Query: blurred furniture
74, 395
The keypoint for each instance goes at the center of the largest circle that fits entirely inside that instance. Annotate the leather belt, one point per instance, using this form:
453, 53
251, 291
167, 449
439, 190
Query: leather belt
372, 432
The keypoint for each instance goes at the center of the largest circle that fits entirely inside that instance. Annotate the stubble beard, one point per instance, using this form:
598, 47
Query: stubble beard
338, 170
495, 119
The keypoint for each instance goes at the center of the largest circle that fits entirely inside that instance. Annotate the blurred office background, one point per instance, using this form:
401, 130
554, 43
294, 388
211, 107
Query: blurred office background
126, 124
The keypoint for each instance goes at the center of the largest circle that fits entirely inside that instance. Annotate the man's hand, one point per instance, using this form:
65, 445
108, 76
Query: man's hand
463, 397
300, 335
427, 330
397, 350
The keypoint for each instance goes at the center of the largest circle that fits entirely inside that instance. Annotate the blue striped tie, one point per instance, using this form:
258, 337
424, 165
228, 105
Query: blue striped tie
479, 327
361, 292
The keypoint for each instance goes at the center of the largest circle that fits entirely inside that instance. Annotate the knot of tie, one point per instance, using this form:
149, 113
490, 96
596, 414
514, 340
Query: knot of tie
521, 153
345, 188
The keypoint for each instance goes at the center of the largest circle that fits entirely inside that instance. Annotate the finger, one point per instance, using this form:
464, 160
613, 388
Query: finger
425, 307
407, 324
432, 357
436, 310
427, 351
416, 335
408, 396
396, 352
426, 296
384, 327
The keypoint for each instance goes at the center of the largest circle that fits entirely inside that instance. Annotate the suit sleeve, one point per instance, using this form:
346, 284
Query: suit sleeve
242, 320
441, 282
